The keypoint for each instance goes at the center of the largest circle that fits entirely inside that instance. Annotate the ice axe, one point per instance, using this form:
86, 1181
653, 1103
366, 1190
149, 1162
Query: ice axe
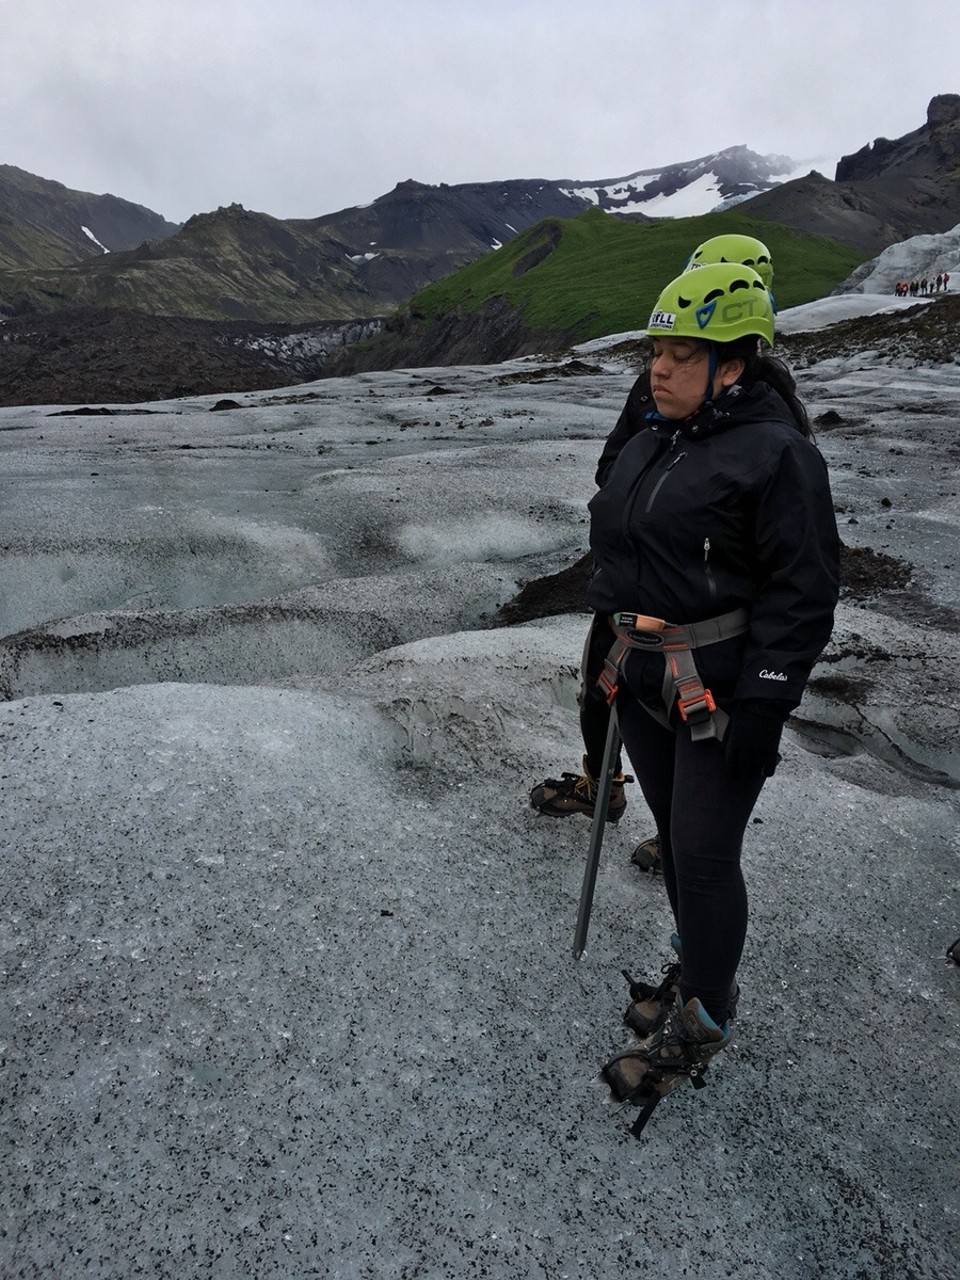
610, 752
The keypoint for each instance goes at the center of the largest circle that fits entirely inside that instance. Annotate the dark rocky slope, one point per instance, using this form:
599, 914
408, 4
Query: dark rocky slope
122, 357
886, 192
41, 223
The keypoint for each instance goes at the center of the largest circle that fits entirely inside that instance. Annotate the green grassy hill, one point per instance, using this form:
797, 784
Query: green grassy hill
595, 274
567, 280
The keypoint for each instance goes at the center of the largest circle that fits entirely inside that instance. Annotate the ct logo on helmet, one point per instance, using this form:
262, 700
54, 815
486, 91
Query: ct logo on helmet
741, 309
662, 320
732, 311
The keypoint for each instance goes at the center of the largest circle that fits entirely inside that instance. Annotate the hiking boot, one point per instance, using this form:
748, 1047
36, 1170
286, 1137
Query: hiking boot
680, 1050
577, 793
646, 856
650, 1003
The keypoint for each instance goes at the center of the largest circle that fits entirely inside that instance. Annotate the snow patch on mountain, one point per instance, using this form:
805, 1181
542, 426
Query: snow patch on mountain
690, 189
89, 234
629, 195
699, 196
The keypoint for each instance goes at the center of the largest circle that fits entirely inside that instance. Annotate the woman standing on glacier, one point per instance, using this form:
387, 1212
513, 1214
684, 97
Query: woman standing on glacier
576, 792
716, 558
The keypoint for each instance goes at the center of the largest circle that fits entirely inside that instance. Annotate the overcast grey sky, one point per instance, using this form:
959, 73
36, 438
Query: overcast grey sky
301, 107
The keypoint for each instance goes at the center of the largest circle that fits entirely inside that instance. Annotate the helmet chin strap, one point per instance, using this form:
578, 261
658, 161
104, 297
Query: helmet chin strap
713, 363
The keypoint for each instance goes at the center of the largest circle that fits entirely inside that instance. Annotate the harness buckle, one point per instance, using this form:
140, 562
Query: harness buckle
698, 707
609, 688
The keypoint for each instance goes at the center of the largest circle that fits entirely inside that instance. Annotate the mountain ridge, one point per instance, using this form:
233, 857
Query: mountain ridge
363, 262
887, 191
352, 274
357, 262
44, 223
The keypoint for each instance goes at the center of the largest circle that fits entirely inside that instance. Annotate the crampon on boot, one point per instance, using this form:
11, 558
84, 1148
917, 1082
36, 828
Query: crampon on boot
680, 1050
577, 793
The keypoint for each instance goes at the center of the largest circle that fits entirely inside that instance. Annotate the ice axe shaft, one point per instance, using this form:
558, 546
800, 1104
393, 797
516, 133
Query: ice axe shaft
610, 753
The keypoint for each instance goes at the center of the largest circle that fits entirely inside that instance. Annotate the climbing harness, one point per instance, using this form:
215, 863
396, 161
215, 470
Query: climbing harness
681, 680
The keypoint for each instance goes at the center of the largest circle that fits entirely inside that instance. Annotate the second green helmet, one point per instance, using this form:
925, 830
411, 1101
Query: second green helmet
748, 251
716, 303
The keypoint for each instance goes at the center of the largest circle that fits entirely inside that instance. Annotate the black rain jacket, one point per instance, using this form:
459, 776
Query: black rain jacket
728, 509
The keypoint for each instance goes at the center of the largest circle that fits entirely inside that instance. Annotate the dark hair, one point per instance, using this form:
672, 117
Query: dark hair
761, 366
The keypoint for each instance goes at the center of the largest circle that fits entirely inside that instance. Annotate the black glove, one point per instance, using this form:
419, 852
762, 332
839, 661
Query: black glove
753, 736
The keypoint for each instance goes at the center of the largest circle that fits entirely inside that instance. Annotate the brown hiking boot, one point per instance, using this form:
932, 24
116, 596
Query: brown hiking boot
646, 856
680, 1050
577, 793
650, 1003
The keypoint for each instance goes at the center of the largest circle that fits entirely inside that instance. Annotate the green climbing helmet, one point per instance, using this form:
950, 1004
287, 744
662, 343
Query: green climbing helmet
747, 251
720, 302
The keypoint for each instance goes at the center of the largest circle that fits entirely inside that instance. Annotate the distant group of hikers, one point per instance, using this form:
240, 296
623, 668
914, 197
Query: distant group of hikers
917, 287
715, 578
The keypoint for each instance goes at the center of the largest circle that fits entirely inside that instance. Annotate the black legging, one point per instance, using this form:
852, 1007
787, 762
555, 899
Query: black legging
701, 810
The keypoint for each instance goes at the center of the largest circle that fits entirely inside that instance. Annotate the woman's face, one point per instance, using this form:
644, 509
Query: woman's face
680, 373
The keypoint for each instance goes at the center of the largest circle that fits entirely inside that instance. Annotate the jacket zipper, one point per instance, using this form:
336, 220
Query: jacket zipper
708, 570
633, 496
659, 483
666, 471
